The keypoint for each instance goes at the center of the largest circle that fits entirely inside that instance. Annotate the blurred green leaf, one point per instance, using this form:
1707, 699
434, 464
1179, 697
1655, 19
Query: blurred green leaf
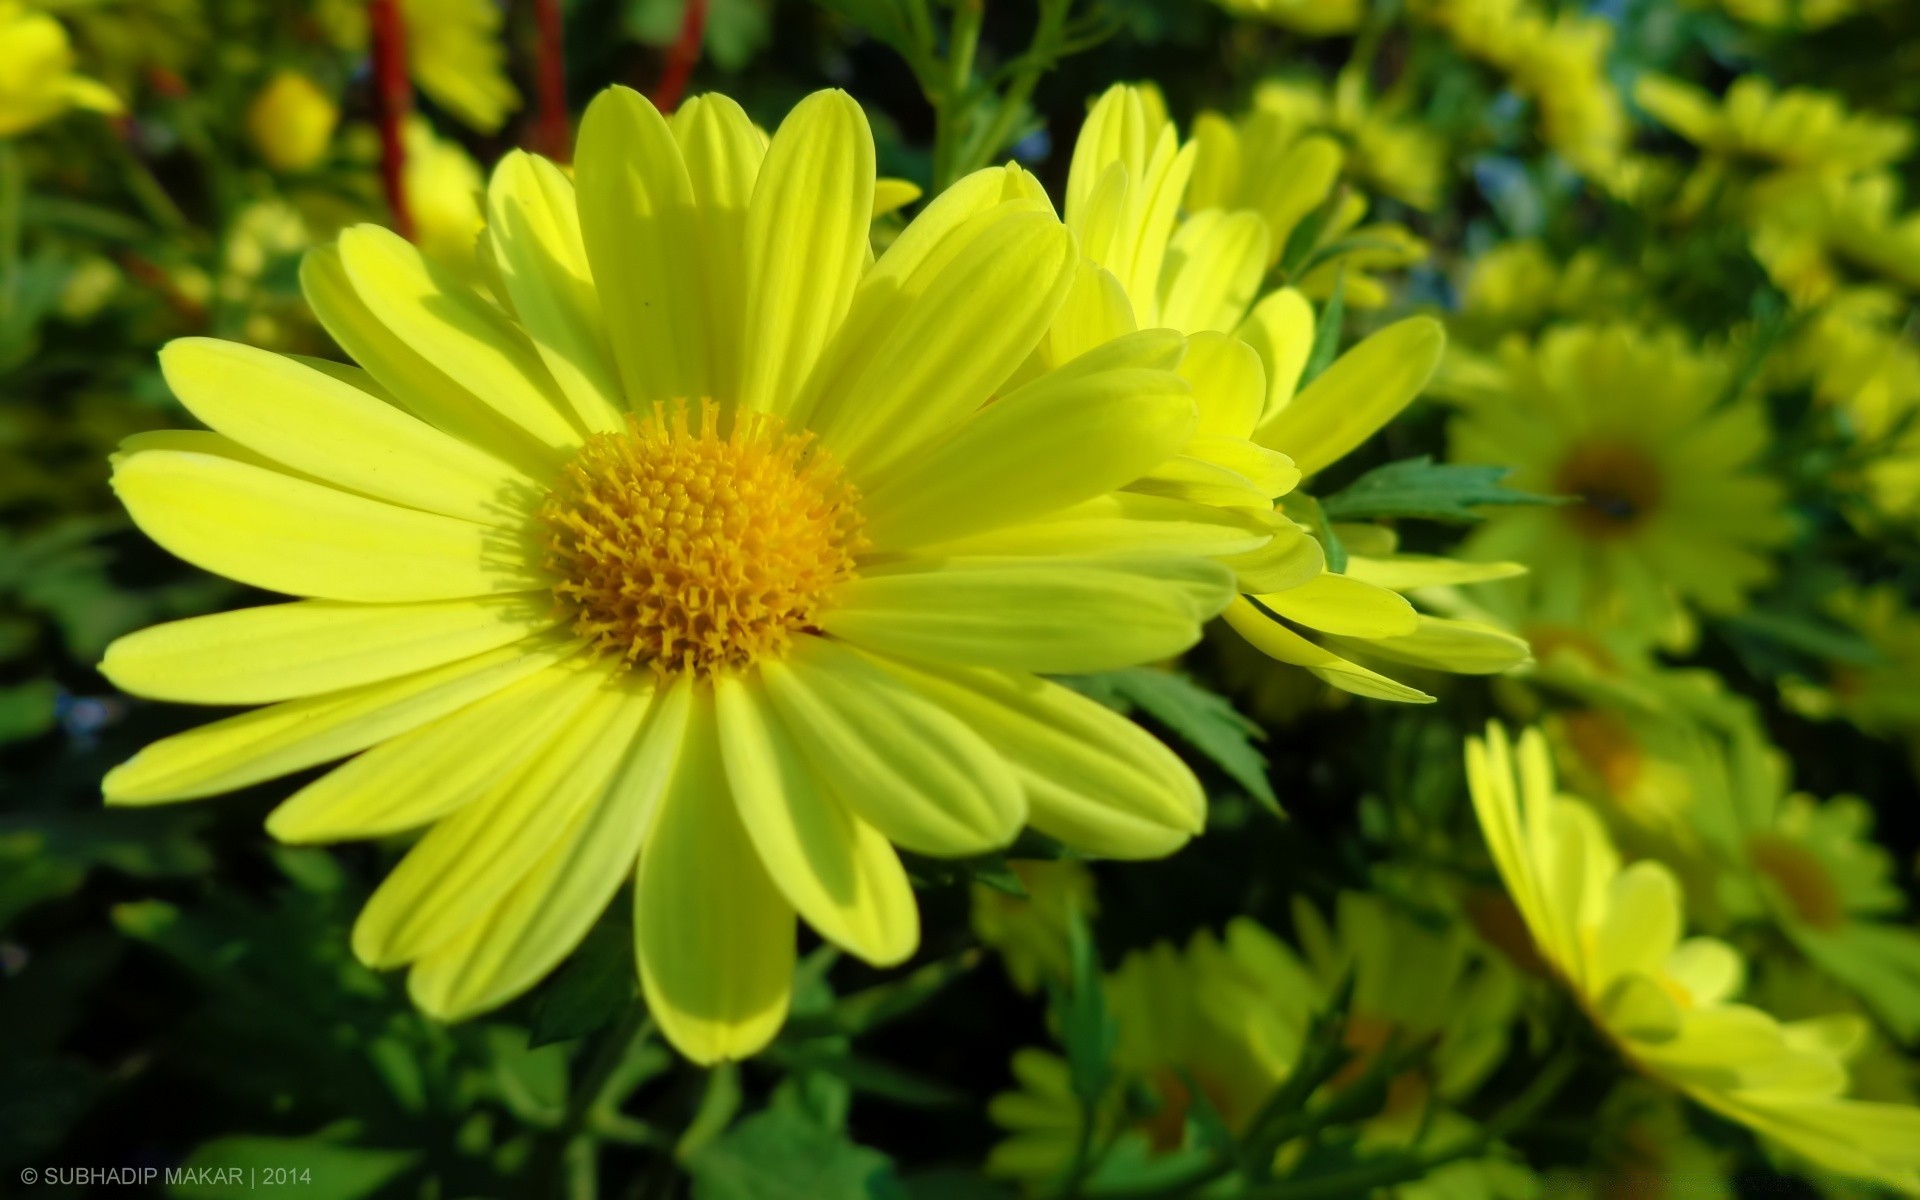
779, 1155
28, 709
1205, 720
238, 1166
1422, 488
596, 985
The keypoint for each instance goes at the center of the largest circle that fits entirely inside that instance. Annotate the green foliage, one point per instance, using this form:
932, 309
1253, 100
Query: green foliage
1422, 489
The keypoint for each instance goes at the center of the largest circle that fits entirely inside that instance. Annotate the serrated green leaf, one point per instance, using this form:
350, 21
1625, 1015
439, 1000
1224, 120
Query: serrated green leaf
1205, 720
1423, 489
779, 1155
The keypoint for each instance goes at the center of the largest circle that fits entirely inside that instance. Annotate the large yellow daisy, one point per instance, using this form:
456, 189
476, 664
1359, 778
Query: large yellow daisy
695, 546
1612, 935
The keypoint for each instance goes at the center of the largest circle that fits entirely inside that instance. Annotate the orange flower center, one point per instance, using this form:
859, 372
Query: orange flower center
1619, 486
684, 550
1805, 883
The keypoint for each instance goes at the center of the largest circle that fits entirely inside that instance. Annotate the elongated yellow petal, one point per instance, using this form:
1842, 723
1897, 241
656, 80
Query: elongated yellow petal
1095, 312
643, 239
836, 870
1291, 558
1275, 640
915, 772
1094, 780
281, 651
417, 384
1212, 271
1364, 389
806, 244
543, 917
1404, 572
1123, 524
713, 936
320, 426
1296, 185
468, 860
535, 226
1040, 615
1280, 330
288, 737
1641, 925
1229, 384
419, 776
1443, 644
469, 340
723, 153
950, 334
284, 534
1201, 480
1067, 437
1340, 604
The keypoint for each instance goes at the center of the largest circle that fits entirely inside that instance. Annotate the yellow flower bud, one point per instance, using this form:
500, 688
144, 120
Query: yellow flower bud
291, 122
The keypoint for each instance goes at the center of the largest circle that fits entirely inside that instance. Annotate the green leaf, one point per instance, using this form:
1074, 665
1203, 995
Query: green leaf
1421, 488
1088, 1032
1305, 509
867, 1009
1326, 335
28, 710
875, 1078
309, 1167
780, 1155
596, 985
1204, 719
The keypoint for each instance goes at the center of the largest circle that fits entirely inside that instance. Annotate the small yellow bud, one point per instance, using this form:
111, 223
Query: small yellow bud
291, 122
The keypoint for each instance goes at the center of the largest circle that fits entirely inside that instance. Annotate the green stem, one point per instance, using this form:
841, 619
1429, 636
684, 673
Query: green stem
13, 193
146, 189
952, 95
569, 1163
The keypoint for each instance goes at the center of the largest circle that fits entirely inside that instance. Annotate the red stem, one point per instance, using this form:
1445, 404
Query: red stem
551, 136
393, 100
681, 57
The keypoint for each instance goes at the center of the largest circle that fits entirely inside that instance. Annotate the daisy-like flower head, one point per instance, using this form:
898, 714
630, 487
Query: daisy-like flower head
1811, 231
695, 555
37, 82
1315, 18
1231, 1015
1613, 936
1671, 514
1796, 129
1260, 431
455, 54
1878, 697
1518, 285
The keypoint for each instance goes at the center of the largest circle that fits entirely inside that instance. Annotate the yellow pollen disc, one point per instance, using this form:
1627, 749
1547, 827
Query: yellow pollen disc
684, 550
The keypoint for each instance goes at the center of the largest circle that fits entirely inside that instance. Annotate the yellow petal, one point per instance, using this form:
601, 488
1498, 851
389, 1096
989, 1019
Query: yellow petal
945, 339
1229, 384
1032, 614
1275, 640
535, 226
892, 194
1465, 647
281, 651
1299, 183
1096, 311
1123, 524
467, 860
1199, 479
1405, 572
288, 737
1640, 925
543, 917
1364, 389
723, 152
836, 870
1291, 558
284, 534
1066, 437
1212, 271
323, 427
1094, 780
417, 384
713, 936
1280, 330
643, 239
806, 244
915, 772
1338, 604
469, 340
417, 777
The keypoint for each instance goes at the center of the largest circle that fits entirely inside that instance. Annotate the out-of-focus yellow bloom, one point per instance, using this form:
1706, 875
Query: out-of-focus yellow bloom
1794, 14
1401, 159
89, 286
1030, 933
1878, 696
1643, 1147
455, 55
444, 191
291, 122
37, 82
1559, 63
1261, 431
1231, 1016
1798, 129
1315, 18
1518, 286
1671, 515
1612, 935
1808, 228
1857, 359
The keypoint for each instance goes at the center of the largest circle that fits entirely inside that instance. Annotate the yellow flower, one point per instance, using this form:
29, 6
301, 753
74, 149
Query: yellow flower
455, 55
1799, 129
1878, 696
1671, 516
291, 122
445, 190
699, 559
1795, 14
1260, 432
37, 82
1518, 286
1612, 935
1807, 229
1231, 1016
1315, 18
1030, 933
1643, 1147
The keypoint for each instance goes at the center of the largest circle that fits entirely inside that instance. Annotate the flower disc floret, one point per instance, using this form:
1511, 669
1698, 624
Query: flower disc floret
683, 550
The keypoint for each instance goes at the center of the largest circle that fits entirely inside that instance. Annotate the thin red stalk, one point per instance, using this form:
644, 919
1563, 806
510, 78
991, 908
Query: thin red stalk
681, 57
550, 129
392, 101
